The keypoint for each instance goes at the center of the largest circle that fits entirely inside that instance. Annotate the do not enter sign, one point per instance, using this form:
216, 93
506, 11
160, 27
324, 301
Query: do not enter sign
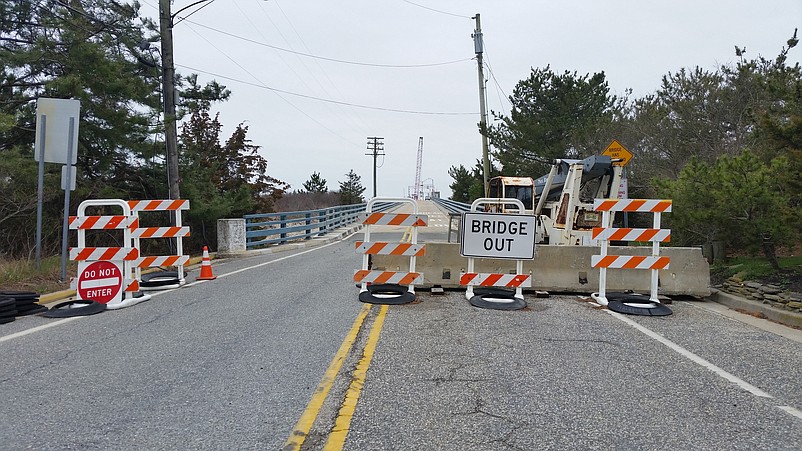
100, 281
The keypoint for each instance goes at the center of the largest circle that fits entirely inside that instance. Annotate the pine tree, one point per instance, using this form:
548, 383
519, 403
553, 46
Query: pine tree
316, 184
351, 189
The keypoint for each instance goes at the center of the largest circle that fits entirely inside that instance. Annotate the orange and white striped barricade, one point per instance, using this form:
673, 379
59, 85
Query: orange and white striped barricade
390, 287
492, 242
105, 274
628, 302
164, 279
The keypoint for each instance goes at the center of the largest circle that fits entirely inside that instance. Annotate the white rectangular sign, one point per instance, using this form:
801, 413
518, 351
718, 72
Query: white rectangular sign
57, 114
73, 175
493, 235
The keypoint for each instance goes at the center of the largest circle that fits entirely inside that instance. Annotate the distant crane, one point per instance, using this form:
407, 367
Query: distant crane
416, 193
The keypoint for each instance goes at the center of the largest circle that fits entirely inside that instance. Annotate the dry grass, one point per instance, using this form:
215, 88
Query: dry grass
22, 275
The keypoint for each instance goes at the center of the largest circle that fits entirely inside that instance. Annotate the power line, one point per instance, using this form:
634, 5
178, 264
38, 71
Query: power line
275, 91
335, 60
437, 10
355, 105
355, 119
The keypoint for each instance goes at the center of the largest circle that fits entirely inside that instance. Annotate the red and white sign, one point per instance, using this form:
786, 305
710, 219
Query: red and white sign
100, 281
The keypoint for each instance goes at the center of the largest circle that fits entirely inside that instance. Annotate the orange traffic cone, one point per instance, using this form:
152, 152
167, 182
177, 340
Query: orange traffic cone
206, 266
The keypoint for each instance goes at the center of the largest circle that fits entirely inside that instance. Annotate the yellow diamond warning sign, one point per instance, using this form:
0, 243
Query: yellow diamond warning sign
618, 152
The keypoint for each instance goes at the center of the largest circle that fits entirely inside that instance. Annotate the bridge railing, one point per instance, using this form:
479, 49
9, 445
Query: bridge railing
453, 206
278, 228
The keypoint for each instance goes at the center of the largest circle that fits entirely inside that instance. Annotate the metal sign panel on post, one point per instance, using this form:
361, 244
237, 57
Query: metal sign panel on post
497, 235
56, 133
491, 235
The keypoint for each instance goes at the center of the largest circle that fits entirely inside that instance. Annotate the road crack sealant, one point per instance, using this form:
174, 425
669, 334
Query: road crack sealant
340, 391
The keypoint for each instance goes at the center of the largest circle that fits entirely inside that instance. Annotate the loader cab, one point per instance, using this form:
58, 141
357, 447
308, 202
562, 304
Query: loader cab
521, 188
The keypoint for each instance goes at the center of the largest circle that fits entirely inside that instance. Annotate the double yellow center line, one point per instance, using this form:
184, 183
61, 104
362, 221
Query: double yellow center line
337, 436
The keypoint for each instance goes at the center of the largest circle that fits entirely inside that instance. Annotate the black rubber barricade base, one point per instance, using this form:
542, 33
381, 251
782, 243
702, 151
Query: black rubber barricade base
160, 279
497, 300
387, 294
636, 304
19, 295
74, 308
32, 310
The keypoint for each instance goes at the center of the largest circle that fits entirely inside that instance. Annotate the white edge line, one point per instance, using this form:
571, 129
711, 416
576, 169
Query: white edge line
38, 328
273, 261
693, 357
66, 320
792, 411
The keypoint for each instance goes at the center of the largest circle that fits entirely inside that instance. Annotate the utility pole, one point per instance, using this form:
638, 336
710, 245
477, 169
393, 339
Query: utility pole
478, 46
376, 145
168, 97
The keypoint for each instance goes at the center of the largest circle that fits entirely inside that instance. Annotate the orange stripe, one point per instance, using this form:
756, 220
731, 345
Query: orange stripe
89, 222
398, 219
648, 234
619, 234
134, 286
633, 262
359, 275
634, 205
661, 263
519, 279
116, 220
409, 278
109, 254
400, 249
606, 261
607, 205
421, 252
383, 277
373, 218
662, 206
596, 232
376, 248
466, 278
491, 280
419, 223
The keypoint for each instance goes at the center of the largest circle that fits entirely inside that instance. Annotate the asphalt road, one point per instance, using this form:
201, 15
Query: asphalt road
233, 364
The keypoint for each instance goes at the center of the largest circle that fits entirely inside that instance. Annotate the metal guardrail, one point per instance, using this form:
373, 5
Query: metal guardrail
455, 210
453, 206
279, 228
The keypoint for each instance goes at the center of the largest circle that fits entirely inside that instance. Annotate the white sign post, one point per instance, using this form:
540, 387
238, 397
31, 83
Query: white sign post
56, 142
494, 235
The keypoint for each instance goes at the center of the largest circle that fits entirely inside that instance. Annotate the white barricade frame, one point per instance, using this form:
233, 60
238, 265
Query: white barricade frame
366, 275
126, 254
177, 232
519, 280
655, 235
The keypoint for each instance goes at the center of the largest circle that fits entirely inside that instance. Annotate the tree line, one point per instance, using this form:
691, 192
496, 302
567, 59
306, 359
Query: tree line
725, 145
104, 53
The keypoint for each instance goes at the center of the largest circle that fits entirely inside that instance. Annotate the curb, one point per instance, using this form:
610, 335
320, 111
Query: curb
787, 318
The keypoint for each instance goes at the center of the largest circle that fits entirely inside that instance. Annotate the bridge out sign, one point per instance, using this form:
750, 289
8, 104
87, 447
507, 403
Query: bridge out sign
493, 235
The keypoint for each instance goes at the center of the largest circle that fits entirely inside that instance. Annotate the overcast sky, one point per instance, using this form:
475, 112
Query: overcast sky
381, 61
